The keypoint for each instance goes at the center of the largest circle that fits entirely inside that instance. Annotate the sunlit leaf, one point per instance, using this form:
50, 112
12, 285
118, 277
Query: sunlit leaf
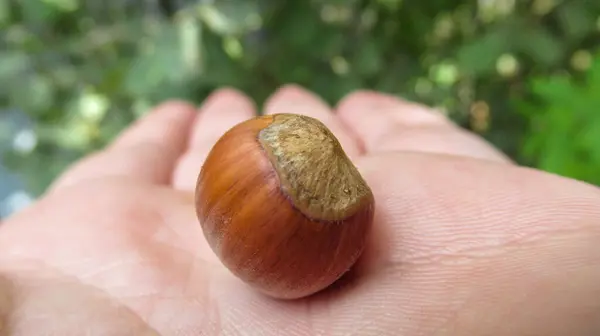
230, 17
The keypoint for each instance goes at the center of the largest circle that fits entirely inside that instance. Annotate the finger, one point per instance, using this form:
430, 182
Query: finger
386, 123
146, 151
222, 110
294, 99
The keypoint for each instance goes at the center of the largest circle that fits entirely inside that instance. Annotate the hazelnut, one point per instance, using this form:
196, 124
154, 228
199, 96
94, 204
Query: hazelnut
282, 205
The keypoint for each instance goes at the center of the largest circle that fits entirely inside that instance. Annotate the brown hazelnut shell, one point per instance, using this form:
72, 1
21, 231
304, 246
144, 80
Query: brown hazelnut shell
282, 206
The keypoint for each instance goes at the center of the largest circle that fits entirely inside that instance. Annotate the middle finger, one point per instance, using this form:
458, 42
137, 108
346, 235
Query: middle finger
294, 99
221, 111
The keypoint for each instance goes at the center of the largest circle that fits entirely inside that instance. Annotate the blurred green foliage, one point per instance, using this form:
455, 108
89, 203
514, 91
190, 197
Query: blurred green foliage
524, 74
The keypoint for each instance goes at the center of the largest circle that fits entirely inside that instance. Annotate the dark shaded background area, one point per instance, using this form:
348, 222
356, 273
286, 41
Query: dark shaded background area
73, 73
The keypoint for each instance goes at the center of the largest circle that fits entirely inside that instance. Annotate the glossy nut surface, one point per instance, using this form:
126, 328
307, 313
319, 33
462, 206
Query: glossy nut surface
282, 205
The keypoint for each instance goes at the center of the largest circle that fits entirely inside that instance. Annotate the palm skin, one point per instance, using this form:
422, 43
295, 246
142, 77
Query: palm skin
464, 242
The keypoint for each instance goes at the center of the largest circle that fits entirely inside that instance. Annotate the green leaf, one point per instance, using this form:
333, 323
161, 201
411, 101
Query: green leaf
12, 64
299, 28
541, 46
36, 11
479, 56
4, 12
555, 89
163, 63
367, 60
33, 93
576, 20
230, 17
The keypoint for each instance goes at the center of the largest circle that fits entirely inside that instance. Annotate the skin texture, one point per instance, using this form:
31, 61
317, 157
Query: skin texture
282, 206
464, 242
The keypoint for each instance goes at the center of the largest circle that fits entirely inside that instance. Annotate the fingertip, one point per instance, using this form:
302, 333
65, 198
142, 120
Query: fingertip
167, 122
292, 98
228, 95
223, 109
364, 96
145, 151
362, 104
174, 106
293, 90
386, 123
168, 111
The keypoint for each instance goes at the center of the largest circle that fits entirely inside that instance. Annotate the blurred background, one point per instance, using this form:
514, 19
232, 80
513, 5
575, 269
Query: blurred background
524, 74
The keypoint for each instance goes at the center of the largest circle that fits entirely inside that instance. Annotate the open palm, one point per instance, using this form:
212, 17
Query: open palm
464, 243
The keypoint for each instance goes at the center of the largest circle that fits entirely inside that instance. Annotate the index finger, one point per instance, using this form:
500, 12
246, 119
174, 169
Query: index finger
146, 151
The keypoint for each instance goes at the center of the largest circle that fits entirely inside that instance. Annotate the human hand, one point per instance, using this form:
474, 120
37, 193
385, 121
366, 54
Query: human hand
464, 241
